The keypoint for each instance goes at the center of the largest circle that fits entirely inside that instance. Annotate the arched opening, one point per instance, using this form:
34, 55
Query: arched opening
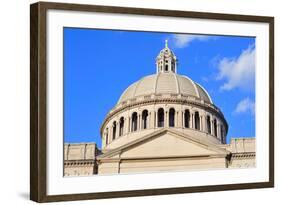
144, 119
114, 131
106, 136
166, 67
222, 134
172, 117
197, 120
208, 124
186, 118
215, 128
160, 116
121, 126
134, 121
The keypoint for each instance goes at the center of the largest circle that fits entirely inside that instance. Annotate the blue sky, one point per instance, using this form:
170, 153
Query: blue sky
100, 64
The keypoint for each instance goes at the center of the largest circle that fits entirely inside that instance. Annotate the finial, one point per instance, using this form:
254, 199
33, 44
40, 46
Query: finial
166, 43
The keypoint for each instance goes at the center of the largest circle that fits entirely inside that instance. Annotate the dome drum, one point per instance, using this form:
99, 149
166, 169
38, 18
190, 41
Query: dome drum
138, 125
168, 98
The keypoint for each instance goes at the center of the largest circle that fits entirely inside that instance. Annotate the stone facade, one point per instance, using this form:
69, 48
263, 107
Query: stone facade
240, 153
163, 122
243, 152
80, 159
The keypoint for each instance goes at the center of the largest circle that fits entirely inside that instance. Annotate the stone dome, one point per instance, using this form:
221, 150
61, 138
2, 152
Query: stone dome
165, 100
165, 83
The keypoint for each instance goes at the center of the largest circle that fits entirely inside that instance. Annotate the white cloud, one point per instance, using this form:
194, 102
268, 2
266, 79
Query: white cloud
183, 40
245, 105
238, 72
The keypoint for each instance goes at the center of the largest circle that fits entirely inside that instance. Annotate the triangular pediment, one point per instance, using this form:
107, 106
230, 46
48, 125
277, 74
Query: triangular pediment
165, 143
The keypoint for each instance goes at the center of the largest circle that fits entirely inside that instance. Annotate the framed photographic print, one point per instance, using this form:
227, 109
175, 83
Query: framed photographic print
135, 102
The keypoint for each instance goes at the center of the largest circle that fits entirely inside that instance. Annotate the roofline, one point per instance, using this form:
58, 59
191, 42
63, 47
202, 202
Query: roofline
158, 132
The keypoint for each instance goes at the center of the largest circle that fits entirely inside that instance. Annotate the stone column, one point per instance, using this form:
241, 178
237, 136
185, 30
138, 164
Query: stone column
176, 118
204, 123
182, 119
192, 121
109, 134
152, 119
166, 118
201, 124
125, 126
117, 129
148, 120
102, 142
218, 131
129, 125
156, 119
179, 119
139, 122
212, 126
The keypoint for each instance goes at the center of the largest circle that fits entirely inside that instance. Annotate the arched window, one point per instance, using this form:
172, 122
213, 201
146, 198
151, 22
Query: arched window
160, 116
134, 121
144, 119
114, 131
106, 136
222, 134
208, 124
121, 126
186, 118
172, 117
215, 128
197, 121
166, 67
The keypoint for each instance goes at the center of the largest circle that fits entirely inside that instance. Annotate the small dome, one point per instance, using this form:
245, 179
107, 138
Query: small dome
165, 83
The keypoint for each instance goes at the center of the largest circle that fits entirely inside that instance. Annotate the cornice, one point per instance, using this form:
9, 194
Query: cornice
243, 155
81, 162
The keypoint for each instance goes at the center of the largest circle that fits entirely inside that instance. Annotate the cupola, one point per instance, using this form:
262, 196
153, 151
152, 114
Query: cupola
166, 61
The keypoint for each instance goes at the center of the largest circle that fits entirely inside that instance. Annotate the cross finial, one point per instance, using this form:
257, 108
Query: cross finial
166, 43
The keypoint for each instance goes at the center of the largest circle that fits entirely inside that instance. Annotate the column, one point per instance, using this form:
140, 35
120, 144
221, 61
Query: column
212, 126
139, 122
117, 129
166, 119
180, 119
156, 119
125, 126
204, 123
192, 121
152, 119
218, 130
201, 124
176, 118
103, 142
148, 120
109, 134
129, 124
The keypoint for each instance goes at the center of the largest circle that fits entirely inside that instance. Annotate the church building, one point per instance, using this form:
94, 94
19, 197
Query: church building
163, 122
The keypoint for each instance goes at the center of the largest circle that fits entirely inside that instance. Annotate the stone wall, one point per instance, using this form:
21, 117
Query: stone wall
80, 159
243, 152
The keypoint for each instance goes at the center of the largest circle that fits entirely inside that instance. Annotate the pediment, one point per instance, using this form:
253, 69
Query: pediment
165, 143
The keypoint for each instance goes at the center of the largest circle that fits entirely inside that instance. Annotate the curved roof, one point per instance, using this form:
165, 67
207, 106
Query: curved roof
165, 83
